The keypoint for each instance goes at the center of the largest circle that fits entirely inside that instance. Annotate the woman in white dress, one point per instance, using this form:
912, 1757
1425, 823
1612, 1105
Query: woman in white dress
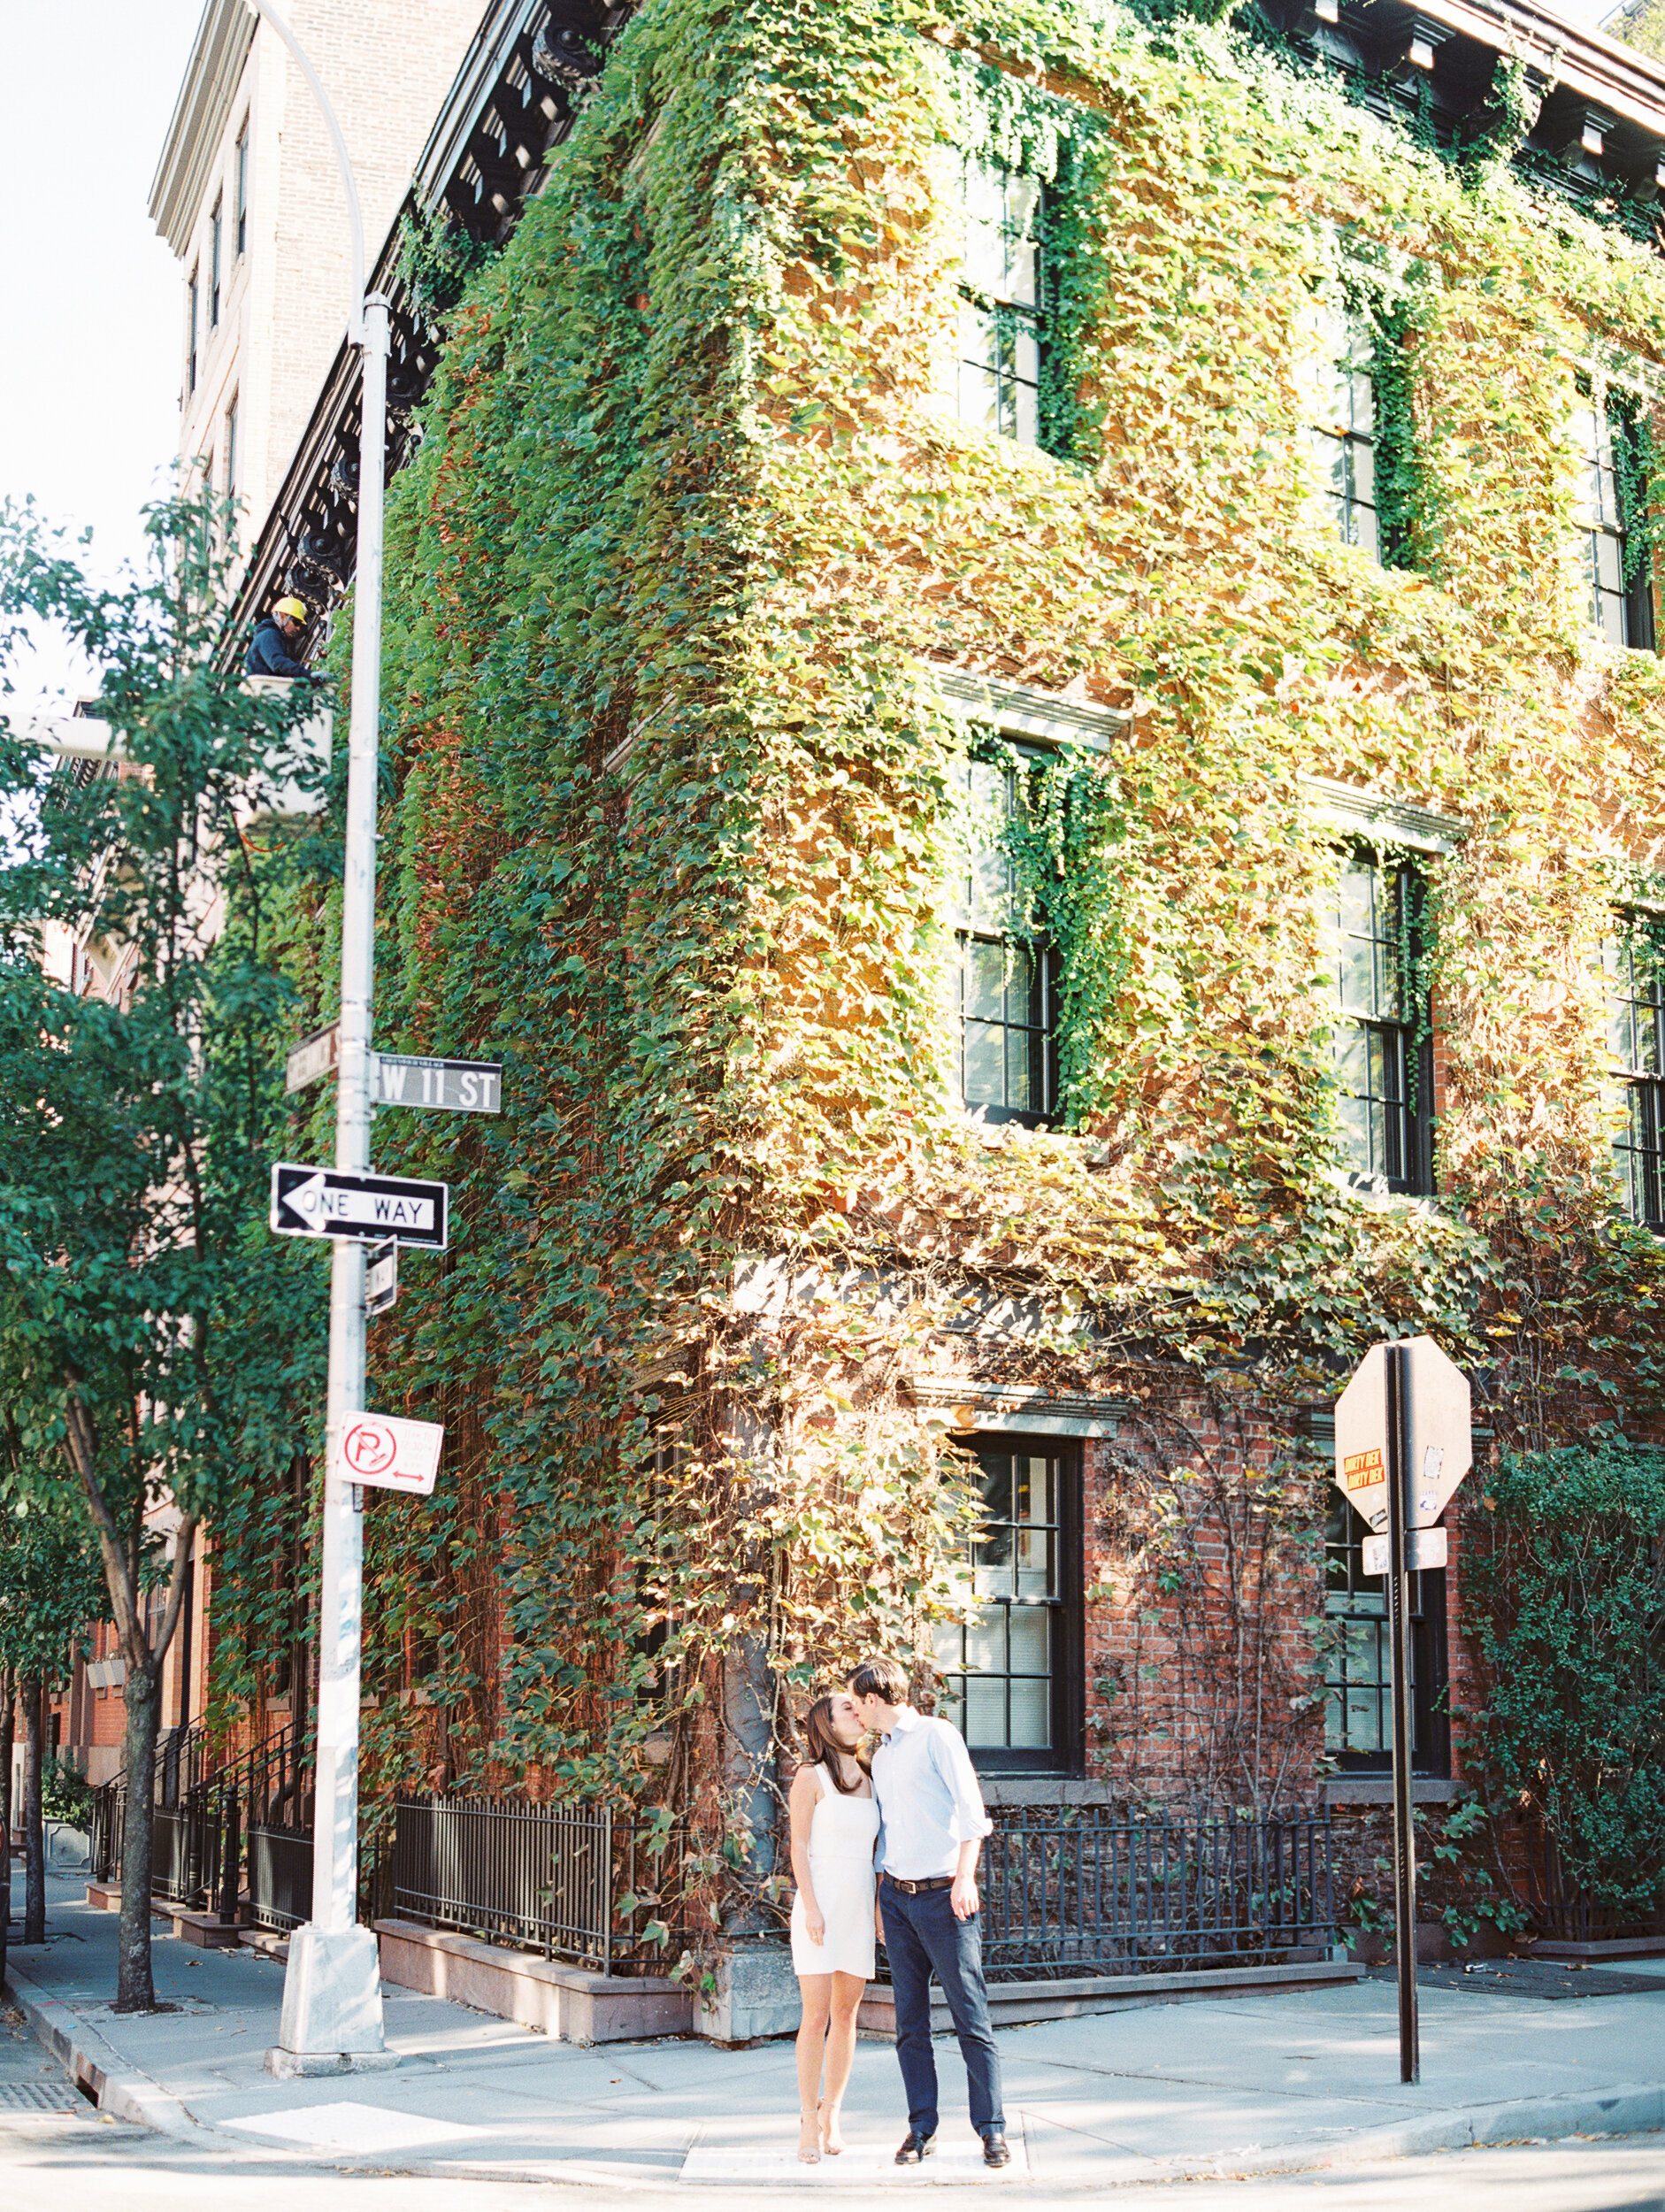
835, 1828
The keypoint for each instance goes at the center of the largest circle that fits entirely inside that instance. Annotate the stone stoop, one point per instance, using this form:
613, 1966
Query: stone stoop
561, 2001
205, 1930
1637, 1947
1015, 2004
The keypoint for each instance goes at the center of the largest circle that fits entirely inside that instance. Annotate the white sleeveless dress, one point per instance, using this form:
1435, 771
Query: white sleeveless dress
842, 1833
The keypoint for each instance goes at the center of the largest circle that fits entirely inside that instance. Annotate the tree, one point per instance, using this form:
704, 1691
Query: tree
154, 1345
50, 1593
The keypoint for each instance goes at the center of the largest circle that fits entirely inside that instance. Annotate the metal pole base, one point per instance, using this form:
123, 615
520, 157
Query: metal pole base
332, 2005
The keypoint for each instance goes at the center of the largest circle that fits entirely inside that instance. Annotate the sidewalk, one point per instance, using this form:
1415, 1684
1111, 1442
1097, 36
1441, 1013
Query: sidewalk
1280, 2083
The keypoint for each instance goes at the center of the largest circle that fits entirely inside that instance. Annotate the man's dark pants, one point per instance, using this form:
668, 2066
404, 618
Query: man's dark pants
921, 1934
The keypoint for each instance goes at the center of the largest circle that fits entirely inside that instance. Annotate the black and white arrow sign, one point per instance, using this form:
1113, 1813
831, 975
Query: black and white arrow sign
318, 1201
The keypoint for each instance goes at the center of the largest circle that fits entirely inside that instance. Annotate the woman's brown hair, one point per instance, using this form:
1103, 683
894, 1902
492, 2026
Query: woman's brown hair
823, 1747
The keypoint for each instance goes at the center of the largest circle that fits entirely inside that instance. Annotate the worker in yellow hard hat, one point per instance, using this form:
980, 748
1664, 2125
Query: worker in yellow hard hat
269, 653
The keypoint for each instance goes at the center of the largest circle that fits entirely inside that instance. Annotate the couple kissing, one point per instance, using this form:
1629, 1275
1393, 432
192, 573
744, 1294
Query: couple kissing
885, 1850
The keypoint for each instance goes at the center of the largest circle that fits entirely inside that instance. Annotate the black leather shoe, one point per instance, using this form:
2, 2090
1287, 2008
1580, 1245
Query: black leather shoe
996, 2150
916, 2147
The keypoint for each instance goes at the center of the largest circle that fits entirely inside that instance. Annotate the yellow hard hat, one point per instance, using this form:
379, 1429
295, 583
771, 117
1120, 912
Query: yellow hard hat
296, 609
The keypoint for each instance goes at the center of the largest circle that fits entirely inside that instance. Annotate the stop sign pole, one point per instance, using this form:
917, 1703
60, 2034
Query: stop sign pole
1398, 1424
1403, 1443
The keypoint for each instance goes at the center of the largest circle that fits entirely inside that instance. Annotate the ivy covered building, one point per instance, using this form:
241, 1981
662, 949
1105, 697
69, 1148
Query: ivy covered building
1023, 696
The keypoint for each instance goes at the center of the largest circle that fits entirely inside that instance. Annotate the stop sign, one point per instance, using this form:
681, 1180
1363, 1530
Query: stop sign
1438, 1430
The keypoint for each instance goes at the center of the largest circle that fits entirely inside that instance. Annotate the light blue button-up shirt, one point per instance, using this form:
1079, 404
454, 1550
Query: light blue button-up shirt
929, 1801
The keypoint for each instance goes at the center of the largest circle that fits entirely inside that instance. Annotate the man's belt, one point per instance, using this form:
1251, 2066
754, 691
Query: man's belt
914, 1889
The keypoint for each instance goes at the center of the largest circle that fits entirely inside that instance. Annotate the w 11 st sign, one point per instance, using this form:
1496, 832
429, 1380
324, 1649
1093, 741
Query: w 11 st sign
326, 1202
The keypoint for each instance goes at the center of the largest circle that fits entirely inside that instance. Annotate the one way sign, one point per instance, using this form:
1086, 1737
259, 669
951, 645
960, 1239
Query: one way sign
318, 1201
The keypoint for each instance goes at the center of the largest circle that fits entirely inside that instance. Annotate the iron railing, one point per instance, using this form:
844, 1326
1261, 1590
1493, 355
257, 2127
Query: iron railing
577, 1882
276, 1808
206, 1815
1085, 1890
184, 1757
1558, 1907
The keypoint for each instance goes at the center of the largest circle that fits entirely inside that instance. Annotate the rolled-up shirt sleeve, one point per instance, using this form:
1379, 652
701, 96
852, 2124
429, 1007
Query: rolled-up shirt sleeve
953, 1762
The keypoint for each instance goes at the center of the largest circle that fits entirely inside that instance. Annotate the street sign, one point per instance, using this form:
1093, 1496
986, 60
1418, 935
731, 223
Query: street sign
389, 1454
318, 1201
313, 1057
1402, 1446
1440, 1447
453, 1086
381, 1278
1423, 1548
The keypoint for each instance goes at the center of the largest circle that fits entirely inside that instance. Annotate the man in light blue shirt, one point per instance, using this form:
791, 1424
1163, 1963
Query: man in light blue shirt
931, 1829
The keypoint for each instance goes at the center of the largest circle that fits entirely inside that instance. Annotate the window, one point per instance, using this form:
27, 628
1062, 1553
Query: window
1343, 436
1011, 1680
215, 225
1359, 1676
1635, 973
231, 449
1384, 1040
1615, 501
242, 191
1001, 319
1006, 978
190, 350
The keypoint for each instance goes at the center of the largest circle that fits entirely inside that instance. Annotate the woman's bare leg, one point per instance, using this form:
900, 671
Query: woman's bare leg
846, 1995
816, 1991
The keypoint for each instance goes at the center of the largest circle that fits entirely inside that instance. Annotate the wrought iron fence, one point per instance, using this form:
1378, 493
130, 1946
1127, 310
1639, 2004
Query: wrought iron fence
1558, 1907
579, 1882
206, 1812
1085, 1890
276, 1806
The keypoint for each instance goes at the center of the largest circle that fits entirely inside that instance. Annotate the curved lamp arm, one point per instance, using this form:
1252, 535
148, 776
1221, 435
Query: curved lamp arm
356, 314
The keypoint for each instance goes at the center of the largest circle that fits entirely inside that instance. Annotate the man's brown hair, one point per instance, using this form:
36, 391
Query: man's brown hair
880, 1677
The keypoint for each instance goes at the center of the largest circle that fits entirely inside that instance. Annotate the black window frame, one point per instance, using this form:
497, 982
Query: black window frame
1066, 1612
216, 225
1622, 585
1011, 320
192, 297
1344, 1579
1398, 1045
1366, 461
241, 201
1639, 1005
977, 924
231, 447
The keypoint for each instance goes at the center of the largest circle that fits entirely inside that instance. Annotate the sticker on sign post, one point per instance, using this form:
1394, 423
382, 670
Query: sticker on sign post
383, 1454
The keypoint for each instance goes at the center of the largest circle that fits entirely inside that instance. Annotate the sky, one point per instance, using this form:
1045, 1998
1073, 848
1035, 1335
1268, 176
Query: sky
89, 371
89, 375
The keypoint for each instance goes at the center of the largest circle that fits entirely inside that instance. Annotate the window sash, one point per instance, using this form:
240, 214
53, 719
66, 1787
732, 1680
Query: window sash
1620, 605
1005, 1009
213, 268
1002, 317
1383, 1056
1359, 1669
1009, 1677
1343, 438
242, 191
1635, 976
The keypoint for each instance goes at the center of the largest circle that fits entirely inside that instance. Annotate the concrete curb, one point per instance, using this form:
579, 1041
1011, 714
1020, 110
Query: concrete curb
1631, 2109
116, 2085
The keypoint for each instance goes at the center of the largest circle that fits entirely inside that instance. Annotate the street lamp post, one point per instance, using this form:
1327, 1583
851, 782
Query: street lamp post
332, 1990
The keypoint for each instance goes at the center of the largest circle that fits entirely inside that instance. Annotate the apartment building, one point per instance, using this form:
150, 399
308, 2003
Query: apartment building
248, 195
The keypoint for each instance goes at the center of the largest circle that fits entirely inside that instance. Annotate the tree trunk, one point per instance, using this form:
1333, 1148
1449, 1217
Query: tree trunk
34, 1831
8, 1708
136, 1990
